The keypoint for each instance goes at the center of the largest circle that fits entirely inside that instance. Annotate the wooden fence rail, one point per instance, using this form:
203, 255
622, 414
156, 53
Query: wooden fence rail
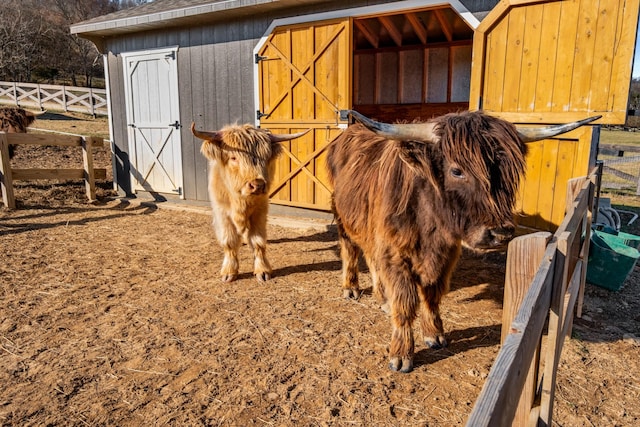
88, 173
544, 283
43, 96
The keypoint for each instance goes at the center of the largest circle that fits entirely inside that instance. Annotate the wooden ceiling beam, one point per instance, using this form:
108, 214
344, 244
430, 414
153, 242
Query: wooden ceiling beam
395, 34
444, 24
373, 38
417, 26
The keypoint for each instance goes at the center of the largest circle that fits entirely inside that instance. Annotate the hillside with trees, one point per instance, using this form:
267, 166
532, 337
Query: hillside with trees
37, 46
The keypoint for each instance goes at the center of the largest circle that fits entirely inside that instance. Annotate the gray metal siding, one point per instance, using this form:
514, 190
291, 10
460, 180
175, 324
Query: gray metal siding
118, 118
215, 78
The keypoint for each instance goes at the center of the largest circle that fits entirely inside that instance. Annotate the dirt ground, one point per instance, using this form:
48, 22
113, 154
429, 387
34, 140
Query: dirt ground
112, 313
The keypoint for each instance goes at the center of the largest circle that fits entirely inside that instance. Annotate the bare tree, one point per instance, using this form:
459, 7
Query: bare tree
37, 44
22, 30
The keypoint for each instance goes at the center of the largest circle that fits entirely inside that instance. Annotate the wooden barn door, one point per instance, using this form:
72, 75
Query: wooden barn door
551, 61
151, 87
304, 75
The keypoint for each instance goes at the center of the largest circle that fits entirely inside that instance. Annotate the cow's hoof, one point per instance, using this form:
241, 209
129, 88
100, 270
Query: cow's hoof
404, 365
226, 278
436, 342
351, 293
263, 277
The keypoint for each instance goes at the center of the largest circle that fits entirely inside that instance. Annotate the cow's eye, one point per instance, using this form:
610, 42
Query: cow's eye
457, 173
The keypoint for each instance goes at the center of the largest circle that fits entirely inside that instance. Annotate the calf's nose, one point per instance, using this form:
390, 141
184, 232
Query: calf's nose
257, 186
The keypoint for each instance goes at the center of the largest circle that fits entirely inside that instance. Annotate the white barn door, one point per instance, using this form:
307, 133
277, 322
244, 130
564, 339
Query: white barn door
153, 120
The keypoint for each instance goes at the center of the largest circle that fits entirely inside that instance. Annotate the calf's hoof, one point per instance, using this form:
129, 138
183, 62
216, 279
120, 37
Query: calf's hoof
398, 364
350, 293
437, 342
226, 278
263, 276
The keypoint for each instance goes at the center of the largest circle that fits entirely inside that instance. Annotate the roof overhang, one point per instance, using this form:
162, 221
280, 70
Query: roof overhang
150, 17
147, 17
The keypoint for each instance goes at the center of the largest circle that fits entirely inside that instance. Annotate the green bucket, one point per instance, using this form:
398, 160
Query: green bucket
612, 256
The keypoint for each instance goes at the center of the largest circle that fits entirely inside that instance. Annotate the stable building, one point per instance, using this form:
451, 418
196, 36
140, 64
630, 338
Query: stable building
290, 65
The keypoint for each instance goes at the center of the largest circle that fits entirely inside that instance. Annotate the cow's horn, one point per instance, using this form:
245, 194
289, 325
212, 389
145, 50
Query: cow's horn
413, 131
530, 134
210, 136
286, 136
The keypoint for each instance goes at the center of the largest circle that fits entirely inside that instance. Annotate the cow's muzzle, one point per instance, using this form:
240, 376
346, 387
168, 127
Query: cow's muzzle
495, 238
491, 238
500, 236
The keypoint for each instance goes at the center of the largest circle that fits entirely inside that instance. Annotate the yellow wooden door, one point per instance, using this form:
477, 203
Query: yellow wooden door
304, 79
554, 61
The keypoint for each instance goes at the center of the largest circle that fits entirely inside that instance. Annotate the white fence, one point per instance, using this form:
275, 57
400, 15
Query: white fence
42, 96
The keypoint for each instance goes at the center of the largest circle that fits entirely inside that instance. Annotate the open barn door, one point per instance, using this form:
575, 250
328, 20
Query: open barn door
304, 75
552, 61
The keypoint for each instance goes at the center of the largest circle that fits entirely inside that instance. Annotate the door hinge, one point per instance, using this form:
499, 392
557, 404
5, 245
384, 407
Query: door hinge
260, 114
176, 125
171, 55
259, 58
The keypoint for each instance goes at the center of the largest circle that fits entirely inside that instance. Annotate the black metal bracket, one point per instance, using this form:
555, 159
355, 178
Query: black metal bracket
259, 58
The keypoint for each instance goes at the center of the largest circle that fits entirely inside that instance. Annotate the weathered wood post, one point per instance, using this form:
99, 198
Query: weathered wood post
6, 177
87, 161
523, 260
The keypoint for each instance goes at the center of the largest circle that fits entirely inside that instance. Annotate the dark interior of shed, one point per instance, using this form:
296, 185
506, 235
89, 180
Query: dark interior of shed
411, 65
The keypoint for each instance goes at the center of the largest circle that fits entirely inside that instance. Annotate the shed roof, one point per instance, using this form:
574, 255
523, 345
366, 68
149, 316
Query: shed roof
163, 13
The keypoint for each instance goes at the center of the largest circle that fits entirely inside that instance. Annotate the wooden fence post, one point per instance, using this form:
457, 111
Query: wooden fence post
93, 105
523, 260
15, 94
584, 254
87, 160
6, 177
39, 97
554, 337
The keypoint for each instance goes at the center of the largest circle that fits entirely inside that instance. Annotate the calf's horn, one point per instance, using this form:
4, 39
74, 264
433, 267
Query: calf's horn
530, 134
210, 136
287, 136
414, 131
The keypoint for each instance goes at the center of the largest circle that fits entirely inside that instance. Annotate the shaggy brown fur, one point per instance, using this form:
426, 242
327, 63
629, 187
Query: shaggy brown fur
15, 120
241, 161
409, 206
